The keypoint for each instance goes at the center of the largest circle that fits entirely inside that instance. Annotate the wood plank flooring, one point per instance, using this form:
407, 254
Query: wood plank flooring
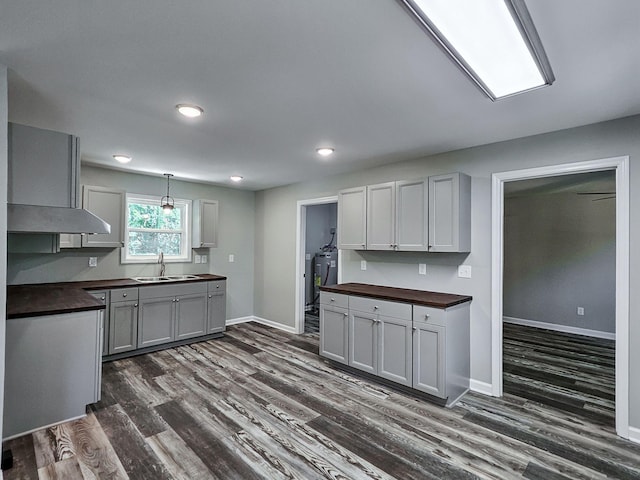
261, 404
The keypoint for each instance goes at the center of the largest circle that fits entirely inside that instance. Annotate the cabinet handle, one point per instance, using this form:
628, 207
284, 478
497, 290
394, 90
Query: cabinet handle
124, 294
333, 299
426, 316
210, 296
102, 298
122, 244
345, 314
414, 328
375, 307
135, 305
173, 300
201, 244
217, 286
177, 299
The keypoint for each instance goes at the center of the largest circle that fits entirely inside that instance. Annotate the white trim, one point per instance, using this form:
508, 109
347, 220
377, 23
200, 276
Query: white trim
235, 321
621, 167
560, 328
480, 387
634, 434
301, 240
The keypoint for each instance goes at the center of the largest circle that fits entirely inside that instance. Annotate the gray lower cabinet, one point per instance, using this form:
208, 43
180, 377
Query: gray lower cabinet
380, 338
103, 296
123, 320
334, 326
172, 312
52, 369
420, 347
216, 306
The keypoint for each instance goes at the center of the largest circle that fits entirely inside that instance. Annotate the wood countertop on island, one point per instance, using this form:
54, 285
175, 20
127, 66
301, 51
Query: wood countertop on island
394, 294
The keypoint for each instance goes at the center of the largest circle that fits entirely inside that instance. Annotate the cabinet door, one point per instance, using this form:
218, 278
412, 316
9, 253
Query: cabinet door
156, 321
381, 216
217, 307
205, 224
429, 359
412, 216
450, 213
103, 296
123, 326
363, 341
352, 215
191, 315
395, 350
33, 178
108, 204
334, 333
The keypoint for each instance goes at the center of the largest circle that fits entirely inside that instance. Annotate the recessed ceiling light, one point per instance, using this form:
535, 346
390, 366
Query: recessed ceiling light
122, 158
325, 151
236, 178
189, 110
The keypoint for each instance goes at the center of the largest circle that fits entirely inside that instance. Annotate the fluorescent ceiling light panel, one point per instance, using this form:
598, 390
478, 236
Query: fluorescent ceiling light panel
494, 41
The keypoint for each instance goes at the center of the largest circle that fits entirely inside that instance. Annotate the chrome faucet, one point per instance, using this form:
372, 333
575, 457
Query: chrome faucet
162, 265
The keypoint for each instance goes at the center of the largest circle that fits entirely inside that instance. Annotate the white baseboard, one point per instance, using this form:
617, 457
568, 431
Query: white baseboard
480, 387
560, 328
634, 434
263, 321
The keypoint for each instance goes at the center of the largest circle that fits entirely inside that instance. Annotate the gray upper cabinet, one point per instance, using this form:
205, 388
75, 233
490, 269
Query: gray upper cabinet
450, 213
205, 223
381, 216
352, 215
38, 180
108, 204
334, 326
216, 306
411, 215
123, 320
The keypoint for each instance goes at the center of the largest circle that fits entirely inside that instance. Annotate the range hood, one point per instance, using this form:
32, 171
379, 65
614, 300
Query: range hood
41, 219
44, 186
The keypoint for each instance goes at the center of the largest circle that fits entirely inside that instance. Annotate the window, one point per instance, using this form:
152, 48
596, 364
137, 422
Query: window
150, 231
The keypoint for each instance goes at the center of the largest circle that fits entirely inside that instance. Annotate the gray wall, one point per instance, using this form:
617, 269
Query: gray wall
4, 109
559, 254
320, 219
236, 225
276, 225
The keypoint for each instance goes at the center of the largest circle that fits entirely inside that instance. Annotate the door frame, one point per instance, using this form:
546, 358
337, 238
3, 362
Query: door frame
621, 167
301, 241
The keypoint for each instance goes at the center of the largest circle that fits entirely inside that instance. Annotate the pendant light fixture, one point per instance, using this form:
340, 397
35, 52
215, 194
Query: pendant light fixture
167, 201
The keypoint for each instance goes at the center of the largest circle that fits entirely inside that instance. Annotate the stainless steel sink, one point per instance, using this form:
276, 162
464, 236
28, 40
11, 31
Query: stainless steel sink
166, 278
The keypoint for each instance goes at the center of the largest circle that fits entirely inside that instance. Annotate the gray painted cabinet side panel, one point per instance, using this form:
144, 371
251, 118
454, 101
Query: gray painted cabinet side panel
52, 368
458, 366
103, 296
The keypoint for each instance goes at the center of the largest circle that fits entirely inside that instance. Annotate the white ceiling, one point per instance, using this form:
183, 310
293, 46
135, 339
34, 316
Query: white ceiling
279, 78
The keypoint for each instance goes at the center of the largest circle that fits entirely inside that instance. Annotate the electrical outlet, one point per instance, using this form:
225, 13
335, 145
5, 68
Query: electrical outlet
464, 271
363, 264
422, 269
232, 258
93, 261
580, 311
197, 259
203, 258
307, 256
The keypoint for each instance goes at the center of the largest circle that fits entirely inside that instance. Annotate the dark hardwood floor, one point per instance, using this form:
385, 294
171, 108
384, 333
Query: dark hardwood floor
260, 403
561, 370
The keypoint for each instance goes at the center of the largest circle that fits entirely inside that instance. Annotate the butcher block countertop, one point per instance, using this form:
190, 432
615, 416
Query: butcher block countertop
404, 295
68, 297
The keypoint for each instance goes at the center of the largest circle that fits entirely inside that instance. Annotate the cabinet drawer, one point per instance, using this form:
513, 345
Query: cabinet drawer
335, 299
172, 290
430, 315
380, 307
124, 294
217, 287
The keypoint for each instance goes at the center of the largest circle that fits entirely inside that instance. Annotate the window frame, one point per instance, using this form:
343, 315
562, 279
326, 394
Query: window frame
185, 231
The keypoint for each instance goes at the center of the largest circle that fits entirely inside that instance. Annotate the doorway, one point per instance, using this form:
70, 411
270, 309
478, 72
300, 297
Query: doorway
317, 257
620, 166
559, 293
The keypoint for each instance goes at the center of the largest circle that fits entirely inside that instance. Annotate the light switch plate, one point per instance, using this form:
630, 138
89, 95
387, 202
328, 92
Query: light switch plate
197, 259
203, 258
422, 268
93, 261
464, 271
232, 258
363, 264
